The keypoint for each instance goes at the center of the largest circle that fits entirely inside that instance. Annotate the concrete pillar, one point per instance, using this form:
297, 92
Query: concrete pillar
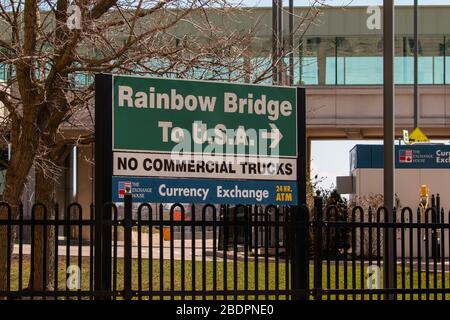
85, 185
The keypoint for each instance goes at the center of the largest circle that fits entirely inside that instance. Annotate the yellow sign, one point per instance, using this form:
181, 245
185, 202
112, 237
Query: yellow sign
418, 136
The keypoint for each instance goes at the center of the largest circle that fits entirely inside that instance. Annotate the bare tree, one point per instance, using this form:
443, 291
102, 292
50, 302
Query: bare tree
370, 208
49, 45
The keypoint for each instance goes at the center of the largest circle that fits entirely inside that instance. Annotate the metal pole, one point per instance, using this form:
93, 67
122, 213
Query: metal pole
336, 44
445, 54
389, 136
416, 66
291, 42
280, 42
300, 262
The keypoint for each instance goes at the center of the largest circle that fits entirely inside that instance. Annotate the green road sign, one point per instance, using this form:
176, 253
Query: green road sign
160, 115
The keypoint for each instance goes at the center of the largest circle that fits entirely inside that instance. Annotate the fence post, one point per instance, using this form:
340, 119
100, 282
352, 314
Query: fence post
127, 246
437, 231
300, 259
433, 217
433, 234
318, 214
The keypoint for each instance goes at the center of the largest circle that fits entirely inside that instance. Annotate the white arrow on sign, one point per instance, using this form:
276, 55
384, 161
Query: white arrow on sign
275, 135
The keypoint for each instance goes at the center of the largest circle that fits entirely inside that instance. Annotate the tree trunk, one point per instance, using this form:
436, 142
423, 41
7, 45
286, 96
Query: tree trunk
44, 236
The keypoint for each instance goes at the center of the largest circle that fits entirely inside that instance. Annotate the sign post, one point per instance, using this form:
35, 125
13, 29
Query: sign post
389, 265
301, 264
103, 181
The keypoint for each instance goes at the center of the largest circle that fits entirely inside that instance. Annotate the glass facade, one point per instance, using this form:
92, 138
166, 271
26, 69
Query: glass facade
359, 61
3, 72
337, 61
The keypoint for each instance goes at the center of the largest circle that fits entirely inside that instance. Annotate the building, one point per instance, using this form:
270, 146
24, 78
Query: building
416, 165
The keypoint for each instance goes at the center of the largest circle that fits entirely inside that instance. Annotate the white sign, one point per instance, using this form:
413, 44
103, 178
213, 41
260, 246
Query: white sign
405, 136
198, 166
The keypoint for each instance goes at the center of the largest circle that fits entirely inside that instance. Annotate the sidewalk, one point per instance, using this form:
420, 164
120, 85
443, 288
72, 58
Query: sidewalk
177, 252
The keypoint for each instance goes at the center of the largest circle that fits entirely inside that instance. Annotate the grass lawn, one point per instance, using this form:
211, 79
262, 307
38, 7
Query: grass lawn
204, 278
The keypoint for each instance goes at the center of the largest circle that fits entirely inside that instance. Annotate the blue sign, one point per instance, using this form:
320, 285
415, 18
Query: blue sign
158, 190
424, 157
430, 156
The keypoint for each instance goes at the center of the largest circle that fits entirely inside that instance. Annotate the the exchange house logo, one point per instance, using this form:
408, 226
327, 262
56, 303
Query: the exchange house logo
124, 187
406, 156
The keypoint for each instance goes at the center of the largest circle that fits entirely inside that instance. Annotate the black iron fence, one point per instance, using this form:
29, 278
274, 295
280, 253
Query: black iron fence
349, 253
222, 252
